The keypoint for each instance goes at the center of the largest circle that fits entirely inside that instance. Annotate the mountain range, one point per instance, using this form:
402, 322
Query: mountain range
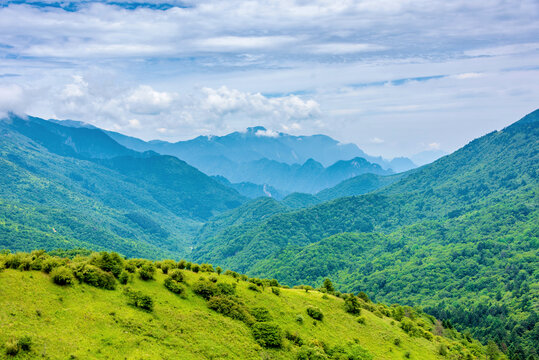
458, 237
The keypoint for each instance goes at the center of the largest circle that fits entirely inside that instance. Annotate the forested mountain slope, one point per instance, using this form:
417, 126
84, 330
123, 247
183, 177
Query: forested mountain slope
71, 187
465, 224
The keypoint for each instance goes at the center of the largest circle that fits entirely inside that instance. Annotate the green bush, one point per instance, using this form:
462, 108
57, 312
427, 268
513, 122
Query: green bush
206, 289
195, 268
181, 264
175, 286
230, 307
12, 347
177, 275
253, 287
109, 262
315, 313
352, 305
361, 320
167, 265
300, 319
311, 353
94, 276
226, 289
294, 338
62, 276
124, 277
397, 342
261, 314
206, 268
276, 291
25, 343
147, 271
49, 264
139, 299
268, 335
213, 279
130, 266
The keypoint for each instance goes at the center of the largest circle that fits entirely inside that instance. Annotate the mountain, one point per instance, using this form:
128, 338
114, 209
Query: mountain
458, 236
251, 190
76, 187
427, 156
358, 185
285, 162
78, 308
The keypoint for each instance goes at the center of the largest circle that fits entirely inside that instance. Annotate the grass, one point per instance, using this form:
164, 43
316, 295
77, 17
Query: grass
83, 322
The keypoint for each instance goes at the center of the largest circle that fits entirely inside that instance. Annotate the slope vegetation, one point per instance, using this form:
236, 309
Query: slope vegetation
102, 307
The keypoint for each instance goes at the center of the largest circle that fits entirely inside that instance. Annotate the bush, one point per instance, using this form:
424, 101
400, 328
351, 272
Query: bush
181, 264
261, 314
315, 313
147, 271
206, 268
311, 353
213, 279
352, 305
361, 320
294, 338
167, 265
299, 319
25, 343
139, 299
276, 291
175, 286
253, 287
226, 289
206, 289
94, 276
274, 282
230, 307
268, 335
12, 347
62, 276
109, 262
218, 270
177, 275
124, 277
49, 264
397, 342
363, 296
195, 268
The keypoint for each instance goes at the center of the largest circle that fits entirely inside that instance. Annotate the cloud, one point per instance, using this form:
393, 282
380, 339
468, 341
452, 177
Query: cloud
267, 133
145, 100
434, 146
11, 99
344, 48
377, 140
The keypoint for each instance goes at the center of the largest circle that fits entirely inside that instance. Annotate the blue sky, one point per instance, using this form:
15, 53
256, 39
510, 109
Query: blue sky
395, 77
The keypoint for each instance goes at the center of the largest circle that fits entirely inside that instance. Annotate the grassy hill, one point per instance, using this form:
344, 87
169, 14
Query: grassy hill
94, 316
464, 225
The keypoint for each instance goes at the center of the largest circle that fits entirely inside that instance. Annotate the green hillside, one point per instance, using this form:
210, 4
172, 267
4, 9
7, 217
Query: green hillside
98, 307
462, 226
54, 195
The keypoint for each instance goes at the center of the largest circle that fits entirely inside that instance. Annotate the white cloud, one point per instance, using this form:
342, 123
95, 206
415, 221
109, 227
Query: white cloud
434, 146
267, 133
344, 48
11, 99
377, 140
145, 100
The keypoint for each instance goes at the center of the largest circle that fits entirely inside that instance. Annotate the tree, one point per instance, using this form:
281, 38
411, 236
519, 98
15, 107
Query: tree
328, 285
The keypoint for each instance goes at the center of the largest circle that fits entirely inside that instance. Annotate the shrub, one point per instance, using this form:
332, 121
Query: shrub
397, 342
276, 291
139, 299
49, 264
253, 287
328, 286
177, 275
206, 289
12, 347
442, 350
218, 270
352, 305
226, 289
206, 268
294, 338
124, 277
195, 268
62, 276
109, 262
175, 286
311, 353
230, 307
299, 319
361, 320
147, 271
94, 276
274, 282
181, 264
261, 314
167, 265
268, 335
315, 313
363, 296
213, 279
25, 343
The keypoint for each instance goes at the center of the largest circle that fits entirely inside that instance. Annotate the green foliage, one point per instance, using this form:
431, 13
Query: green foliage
352, 305
231, 307
12, 347
268, 335
315, 313
294, 338
309, 352
109, 262
124, 277
226, 288
139, 299
25, 343
94, 276
62, 276
261, 314
205, 289
175, 286
328, 286
276, 291
253, 287
147, 271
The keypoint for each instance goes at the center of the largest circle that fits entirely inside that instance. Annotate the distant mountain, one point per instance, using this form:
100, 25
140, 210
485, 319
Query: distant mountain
286, 162
428, 156
251, 190
458, 237
358, 185
76, 187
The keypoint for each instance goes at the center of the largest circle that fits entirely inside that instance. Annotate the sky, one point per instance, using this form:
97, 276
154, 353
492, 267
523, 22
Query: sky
396, 77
